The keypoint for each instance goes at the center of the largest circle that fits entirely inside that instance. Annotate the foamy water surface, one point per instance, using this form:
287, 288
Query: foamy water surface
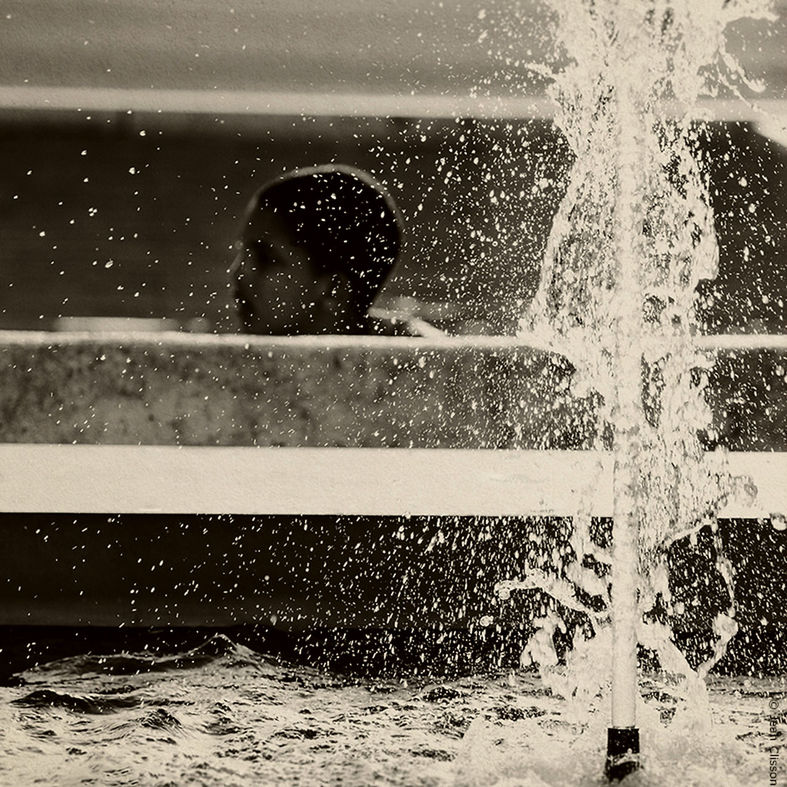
222, 714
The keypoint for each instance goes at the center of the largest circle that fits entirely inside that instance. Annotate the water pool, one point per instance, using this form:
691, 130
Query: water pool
223, 714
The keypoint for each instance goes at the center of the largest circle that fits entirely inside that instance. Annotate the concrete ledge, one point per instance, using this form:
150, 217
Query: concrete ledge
181, 389
464, 392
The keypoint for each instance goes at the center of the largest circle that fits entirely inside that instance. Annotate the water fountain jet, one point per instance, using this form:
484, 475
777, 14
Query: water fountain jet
630, 243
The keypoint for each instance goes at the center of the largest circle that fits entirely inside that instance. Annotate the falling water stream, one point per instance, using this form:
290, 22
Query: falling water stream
633, 238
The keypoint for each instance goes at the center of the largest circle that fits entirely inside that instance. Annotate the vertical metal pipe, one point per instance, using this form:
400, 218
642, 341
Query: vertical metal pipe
623, 743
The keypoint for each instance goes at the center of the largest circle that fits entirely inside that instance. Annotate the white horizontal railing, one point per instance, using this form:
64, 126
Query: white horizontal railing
339, 481
321, 104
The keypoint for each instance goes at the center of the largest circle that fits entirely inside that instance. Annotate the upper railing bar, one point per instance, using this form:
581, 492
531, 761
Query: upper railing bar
238, 102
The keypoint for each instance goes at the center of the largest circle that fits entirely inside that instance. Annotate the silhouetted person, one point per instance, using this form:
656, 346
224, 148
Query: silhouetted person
317, 246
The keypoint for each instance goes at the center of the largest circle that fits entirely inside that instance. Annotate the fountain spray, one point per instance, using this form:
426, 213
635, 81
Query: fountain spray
631, 240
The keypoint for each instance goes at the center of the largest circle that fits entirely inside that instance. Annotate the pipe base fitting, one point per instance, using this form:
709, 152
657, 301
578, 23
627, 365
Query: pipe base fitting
622, 752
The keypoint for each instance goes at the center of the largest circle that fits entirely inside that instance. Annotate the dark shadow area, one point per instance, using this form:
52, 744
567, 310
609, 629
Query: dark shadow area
135, 215
387, 596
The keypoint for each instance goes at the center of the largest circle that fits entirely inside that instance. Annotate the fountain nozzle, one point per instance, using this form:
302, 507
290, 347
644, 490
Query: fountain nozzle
622, 752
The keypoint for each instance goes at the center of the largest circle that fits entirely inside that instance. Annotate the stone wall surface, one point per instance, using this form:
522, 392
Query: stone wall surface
296, 391
481, 392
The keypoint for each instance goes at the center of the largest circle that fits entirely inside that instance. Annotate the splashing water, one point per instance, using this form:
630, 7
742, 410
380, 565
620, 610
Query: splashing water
631, 241
225, 714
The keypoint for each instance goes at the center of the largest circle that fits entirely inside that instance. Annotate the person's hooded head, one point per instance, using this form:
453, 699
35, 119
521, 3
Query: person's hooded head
316, 248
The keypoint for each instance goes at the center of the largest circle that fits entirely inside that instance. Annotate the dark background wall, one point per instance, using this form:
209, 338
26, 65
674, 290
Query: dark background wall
122, 215
134, 214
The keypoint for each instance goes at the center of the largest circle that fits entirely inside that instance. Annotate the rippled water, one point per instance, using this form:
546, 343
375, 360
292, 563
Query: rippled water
223, 714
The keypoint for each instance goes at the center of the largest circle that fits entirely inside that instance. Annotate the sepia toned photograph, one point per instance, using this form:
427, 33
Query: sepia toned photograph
393, 393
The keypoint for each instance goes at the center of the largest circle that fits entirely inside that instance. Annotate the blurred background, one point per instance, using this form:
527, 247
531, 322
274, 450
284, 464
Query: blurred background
133, 132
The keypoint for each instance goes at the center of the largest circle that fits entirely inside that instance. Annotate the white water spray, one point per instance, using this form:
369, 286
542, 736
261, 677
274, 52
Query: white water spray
632, 239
